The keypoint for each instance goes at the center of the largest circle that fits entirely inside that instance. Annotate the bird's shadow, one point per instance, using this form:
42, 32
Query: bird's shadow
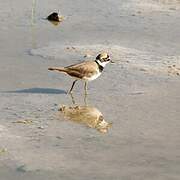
38, 91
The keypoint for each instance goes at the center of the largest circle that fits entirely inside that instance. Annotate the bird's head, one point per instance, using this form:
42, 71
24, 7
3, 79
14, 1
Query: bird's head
103, 59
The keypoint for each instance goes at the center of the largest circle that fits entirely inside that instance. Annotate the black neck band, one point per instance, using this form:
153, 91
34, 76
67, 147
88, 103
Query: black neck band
99, 66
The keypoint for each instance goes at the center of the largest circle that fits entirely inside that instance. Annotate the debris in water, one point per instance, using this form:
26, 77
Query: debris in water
21, 169
24, 121
40, 127
173, 70
2, 151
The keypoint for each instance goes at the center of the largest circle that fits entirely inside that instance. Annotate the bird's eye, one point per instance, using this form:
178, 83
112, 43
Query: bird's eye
107, 59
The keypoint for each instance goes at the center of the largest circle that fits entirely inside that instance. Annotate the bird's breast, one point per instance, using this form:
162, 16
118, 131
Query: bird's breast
92, 77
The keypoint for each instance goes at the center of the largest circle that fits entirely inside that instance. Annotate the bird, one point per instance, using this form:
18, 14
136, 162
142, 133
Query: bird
86, 70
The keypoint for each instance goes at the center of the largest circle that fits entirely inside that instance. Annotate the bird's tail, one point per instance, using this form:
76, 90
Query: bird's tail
61, 69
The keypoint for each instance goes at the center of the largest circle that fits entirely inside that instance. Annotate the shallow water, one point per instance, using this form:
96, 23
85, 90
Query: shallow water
138, 94
167, 1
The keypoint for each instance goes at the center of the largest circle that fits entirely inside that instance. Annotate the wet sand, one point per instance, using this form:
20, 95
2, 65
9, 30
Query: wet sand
138, 94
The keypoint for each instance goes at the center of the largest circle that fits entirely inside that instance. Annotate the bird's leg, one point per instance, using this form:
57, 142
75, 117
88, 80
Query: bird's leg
70, 91
85, 87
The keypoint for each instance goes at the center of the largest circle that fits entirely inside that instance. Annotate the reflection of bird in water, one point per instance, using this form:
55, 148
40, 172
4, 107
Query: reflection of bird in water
88, 115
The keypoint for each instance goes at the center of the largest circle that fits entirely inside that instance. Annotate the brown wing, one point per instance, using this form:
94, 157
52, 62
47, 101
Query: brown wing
86, 68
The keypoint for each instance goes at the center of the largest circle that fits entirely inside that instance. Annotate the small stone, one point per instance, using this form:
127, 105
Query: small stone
53, 17
58, 137
142, 69
40, 127
87, 55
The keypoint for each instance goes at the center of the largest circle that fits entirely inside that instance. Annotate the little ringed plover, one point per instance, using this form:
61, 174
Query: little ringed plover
86, 70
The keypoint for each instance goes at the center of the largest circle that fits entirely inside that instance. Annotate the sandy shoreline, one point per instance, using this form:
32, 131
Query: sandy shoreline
138, 94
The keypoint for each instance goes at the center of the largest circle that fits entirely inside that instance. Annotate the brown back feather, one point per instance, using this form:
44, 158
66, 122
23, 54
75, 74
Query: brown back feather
86, 68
